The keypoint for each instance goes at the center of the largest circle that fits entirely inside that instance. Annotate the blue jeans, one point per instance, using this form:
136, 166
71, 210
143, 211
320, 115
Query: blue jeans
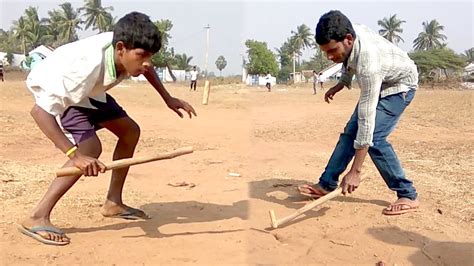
389, 110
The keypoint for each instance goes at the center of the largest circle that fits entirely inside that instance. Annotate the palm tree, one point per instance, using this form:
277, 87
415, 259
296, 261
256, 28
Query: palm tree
469, 55
20, 31
69, 23
164, 26
221, 63
97, 16
165, 57
391, 27
301, 39
183, 61
430, 37
37, 29
62, 24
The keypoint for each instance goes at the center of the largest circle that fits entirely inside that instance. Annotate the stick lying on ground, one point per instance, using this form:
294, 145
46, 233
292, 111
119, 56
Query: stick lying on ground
129, 161
275, 223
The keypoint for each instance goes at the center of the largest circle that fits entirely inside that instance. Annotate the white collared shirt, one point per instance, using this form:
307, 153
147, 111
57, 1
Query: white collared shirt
73, 73
194, 74
382, 69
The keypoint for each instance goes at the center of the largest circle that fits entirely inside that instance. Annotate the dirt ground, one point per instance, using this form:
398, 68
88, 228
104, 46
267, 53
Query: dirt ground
275, 141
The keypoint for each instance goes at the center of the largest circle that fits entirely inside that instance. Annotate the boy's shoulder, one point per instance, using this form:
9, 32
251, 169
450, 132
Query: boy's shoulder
76, 60
88, 44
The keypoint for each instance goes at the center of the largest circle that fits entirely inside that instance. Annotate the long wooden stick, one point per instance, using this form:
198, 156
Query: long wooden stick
68, 171
275, 223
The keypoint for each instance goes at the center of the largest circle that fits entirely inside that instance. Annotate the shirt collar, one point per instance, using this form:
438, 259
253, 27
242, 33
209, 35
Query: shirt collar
355, 50
110, 73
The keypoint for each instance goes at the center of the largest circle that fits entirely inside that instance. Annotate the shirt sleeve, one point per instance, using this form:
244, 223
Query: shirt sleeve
346, 77
369, 77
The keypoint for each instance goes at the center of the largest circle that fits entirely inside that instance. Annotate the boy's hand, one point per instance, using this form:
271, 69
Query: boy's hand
175, 104
350, 182
90, 166
332, 91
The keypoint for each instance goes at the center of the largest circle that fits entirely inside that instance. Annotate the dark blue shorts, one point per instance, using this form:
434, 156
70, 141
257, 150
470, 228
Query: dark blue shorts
81, 123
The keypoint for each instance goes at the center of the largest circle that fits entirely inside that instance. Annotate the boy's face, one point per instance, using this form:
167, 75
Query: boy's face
338, 51
133, 61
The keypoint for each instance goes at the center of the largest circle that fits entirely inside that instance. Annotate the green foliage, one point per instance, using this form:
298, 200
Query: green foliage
97, 16
182, 61
469, 55
391, 28
261, 59
431, 36
318, 61
221, 63
63, 24
284, 73
430, 60
9, 56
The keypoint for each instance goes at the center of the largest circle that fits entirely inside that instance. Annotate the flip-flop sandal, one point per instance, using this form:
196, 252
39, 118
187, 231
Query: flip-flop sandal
33, 233
310, 191
409, 208
131, 214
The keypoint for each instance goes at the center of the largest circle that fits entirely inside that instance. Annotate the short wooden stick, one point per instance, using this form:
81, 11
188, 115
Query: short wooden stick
275, 223
68, 171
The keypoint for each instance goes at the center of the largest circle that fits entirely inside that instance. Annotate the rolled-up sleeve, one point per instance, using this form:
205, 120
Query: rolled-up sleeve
346, 77
370, 82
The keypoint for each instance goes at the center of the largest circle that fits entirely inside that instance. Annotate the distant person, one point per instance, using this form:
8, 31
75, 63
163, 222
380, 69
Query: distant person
321, 80
388, 80
315, 81
69, 88
269, 82
194, 76
1, 70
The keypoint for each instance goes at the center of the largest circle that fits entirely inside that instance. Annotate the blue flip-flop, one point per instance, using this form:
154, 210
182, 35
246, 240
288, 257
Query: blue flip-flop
131, 214
33, 233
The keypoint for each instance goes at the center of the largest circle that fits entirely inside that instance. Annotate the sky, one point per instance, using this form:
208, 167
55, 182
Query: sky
233, 22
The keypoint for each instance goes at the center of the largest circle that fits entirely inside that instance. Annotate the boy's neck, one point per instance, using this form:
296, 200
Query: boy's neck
119, 69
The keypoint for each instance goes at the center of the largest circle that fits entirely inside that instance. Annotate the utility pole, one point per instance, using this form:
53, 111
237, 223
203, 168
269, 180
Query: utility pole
207, 48
207, 85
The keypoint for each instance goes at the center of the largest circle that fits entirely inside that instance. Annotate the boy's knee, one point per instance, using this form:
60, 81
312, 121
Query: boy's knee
91, 147
133, 134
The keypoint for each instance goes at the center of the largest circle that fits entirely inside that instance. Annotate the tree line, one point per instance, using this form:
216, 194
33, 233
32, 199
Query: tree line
430, 51
63, 24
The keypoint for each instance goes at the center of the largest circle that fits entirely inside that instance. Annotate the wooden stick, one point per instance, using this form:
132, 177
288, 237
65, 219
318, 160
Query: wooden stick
68, 171
207, 90
275, 223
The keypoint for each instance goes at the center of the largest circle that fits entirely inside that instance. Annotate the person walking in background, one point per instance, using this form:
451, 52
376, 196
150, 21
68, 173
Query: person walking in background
315, 81
321, 80
268, 82
194, 75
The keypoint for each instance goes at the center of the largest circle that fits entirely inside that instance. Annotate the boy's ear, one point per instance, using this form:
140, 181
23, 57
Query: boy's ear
120, 47
349, 39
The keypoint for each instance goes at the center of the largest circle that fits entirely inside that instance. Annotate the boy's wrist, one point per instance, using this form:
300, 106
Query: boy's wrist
71, 152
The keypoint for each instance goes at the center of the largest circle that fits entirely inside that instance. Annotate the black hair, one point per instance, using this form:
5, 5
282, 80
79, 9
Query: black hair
136, 30
333, 26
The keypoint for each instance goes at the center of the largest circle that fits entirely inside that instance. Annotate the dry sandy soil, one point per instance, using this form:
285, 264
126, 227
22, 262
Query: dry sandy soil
275, 141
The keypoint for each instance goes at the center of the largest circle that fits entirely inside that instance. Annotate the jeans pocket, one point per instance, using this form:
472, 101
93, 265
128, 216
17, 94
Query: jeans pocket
408, 97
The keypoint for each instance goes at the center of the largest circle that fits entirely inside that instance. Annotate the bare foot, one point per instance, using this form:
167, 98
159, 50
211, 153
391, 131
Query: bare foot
44, 231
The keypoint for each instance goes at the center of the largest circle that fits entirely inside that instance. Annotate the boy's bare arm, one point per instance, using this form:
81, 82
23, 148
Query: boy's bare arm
48, 125
155, 81
173, 103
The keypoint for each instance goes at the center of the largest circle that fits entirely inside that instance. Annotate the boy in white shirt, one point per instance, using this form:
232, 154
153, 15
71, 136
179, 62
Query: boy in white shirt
194, 75
70, 87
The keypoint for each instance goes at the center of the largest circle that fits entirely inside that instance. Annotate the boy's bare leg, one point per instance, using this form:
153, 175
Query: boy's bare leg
128, 133
40, 216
